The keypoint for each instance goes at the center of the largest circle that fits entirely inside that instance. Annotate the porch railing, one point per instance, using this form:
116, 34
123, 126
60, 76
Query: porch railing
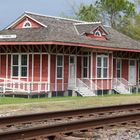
12, 85
121, 85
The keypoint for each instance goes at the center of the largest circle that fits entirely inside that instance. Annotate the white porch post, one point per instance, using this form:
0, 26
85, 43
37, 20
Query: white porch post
49, 59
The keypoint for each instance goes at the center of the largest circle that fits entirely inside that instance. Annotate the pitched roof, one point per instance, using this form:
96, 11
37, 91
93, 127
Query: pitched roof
68, 31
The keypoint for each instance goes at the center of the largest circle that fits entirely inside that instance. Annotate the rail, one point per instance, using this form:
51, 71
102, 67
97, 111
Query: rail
67, 127
65, 113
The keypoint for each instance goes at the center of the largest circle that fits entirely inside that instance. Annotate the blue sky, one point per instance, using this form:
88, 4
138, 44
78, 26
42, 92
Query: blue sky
12, 9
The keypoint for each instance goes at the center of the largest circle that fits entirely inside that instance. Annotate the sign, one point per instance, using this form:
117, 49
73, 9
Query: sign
7, 36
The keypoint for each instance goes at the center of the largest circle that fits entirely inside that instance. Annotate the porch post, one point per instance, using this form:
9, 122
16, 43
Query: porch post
49, 59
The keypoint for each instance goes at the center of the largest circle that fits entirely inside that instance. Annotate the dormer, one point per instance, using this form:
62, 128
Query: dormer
26, 21
92, 30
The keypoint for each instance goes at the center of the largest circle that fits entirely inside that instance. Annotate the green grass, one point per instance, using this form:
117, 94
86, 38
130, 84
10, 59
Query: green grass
10, 100
33, 105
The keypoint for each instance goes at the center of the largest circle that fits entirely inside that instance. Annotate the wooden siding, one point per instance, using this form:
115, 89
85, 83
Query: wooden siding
20, 24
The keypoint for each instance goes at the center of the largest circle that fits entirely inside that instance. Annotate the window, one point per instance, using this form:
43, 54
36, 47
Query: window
15, 65
85, 67
59, 66
132, 62
27, 24
19, 65
97, 33
118, 68
23, 65
102, 67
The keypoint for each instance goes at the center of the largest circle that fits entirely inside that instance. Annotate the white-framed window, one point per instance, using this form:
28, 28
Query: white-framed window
85, 64
102, 66
27, 24
19, 65
59, 66
118, 68
97, 33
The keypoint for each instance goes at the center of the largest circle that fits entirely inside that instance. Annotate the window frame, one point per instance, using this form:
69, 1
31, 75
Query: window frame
24, 24
119, 69
98, 32
85, 67
60, 66
102, 67
20, 66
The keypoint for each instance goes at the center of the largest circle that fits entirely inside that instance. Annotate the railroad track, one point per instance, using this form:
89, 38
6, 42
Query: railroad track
45, 125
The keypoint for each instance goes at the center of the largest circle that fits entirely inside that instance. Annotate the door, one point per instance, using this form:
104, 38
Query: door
132, 72
72, 71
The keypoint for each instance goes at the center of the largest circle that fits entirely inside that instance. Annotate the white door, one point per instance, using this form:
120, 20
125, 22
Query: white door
132, 72
72, 71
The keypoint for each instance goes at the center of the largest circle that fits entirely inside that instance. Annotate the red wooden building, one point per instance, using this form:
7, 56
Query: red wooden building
53, 55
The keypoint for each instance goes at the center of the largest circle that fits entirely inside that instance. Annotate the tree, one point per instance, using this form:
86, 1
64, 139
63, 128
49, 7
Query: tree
114, 9
88, 13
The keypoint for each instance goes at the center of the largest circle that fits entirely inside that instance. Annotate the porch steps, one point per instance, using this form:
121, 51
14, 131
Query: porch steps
85, 92
82, 88
121, 86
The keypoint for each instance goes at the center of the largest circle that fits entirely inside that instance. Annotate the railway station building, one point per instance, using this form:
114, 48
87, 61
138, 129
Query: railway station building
56, 56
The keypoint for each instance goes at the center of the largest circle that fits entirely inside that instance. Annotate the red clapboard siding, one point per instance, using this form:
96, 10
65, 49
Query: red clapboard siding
30, 67
125, 69
53, 68
36, 67
66, 68
94, 65
110, 65
34, 24
3, 66
9, 66
114, 68
79, 67
45, 67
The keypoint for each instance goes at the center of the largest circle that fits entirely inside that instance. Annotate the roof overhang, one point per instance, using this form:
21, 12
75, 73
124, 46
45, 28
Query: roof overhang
69, 44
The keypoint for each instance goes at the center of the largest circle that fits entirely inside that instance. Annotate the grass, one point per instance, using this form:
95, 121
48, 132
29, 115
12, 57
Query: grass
23, 105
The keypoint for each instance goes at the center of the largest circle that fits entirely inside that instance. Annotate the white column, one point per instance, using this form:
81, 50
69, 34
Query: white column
6, 66
91, 66
49, 66
32, 69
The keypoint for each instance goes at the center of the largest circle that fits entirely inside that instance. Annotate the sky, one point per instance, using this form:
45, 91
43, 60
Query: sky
11, 9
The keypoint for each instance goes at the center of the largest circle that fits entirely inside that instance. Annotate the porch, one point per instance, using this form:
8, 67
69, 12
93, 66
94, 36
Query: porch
36, 69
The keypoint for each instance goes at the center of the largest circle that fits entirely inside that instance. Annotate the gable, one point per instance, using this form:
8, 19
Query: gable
25, 21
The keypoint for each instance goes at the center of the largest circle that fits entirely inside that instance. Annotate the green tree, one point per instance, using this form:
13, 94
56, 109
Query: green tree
88, 13
114, 9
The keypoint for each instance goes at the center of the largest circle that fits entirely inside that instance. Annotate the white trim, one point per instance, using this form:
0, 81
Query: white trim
19, 19
75, 63
49, 66
98, 32
63, 74
32, 67
129, 71
40, 67
0, 63
102, 56
25, 22
84, 22
27, 12
19, 65
76, 30
82, 74
120, 68
28, 60
6, 66
91, 65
